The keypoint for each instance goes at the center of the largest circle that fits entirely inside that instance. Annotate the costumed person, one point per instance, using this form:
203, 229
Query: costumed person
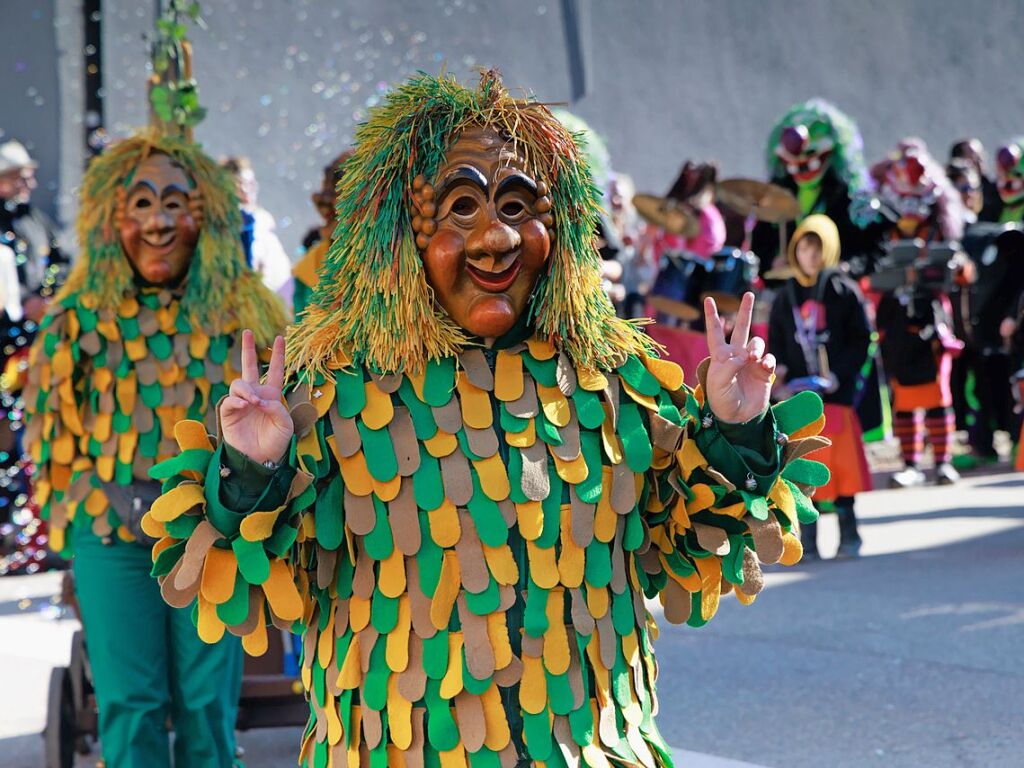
638, 274
483, 470
915, 320
269, 258
1010, 182
972, 152
982, 311
144, 334
816, 152
307, 268
819, 333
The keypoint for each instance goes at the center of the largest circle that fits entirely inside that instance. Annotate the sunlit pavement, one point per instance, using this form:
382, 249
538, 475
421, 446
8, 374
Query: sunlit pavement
909, 656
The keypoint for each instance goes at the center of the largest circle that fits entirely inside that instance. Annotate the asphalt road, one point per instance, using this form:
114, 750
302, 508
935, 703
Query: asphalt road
907, 657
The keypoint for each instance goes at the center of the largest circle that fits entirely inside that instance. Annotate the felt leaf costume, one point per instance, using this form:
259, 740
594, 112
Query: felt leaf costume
116, 365
465, 536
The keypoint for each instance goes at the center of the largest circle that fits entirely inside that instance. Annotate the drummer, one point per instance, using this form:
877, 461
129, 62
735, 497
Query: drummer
690, 222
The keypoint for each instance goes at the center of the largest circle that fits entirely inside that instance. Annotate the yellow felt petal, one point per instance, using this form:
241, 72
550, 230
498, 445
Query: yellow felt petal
351, 675
493, 477
710, 570
451, 683
211, 628
703, 497
610, 440
554, 404
745, 599
447, 590
322, 397
325, 643
356, 474
358, 613
668, 374
177, 501
574, 471
631, 648
256, 642
501, 564
57, 539
153, 527
387, 490
335, 728
690, 457
136, 348
812, 429
378, 411
96, 503
543, 569
646, 401
417, 381
533, 689
102, 378
523, 439
591, 379
783, 498
792, 550
498, 734
737, 510
540, 349
310, 446
571, 557
679, 514
531, 519
126, 445
192, 434
281, 593
398, 638
605, 517
219, 575
444, 525
258, 526
497, 631
508, 377
399, 717
454, 757
556, 641
476, 404
597, 601
391, 578
441, 444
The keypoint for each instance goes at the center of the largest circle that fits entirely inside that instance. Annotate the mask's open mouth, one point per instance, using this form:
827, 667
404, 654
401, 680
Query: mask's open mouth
495, 282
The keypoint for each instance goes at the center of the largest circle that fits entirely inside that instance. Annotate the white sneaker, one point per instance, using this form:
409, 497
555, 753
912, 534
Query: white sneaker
907, 478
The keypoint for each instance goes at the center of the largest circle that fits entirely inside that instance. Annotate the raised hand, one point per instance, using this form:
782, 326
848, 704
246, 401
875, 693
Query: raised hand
739, 379
253, 418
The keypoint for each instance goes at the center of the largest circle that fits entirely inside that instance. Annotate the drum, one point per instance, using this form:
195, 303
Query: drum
732, 274
676, 294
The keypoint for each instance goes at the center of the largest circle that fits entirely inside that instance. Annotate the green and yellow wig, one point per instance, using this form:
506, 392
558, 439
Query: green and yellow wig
373, 304
219, 285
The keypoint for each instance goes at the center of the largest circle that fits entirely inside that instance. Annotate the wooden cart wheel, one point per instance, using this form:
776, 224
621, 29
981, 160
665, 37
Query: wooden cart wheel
59, 734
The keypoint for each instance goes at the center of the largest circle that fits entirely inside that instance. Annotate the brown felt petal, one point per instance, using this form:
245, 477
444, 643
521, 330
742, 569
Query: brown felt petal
192, 560
508, 756
148, 322
174, 597
720, 479
115, 353
650, 562
449, 416
565, 375
387, 383
767, 538
611, 397
180, 342
147, 371
346, 435
142, 418
472, 565
618, 582
373, 729
482, 442
623, 489
304, 416
582, 519
90, 343
525, 407
326, 562
640, 612
506, 597
796, 449
367, 640
665, 434
509, 675
575, 675
412, 683
477, 643
608, 640
678, 603
536, 484
413, 756
320, 718
753, 579
359, 513
469, 713
458, 482
569, 450
141, 465
477, 370
508, 512
403, 439
702, 373
566, 743
418, 601
533, 646
363, 579
252, 619
582, 619
405, 519
214, 372
712, 539
341, 614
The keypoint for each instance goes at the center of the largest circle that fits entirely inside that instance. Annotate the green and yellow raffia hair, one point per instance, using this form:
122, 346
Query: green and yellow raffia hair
373, 305
219, 286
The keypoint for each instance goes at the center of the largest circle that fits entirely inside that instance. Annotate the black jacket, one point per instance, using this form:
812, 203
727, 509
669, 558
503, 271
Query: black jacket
993, 297
846, 337
910, 336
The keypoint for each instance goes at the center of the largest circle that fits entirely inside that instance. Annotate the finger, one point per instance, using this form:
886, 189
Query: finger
250, 365
741, 331
713, 324
768, 364
245, 392
232, 405
275, 376
755, 349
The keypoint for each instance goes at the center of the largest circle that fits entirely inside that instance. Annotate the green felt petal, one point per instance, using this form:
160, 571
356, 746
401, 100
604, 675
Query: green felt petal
235, 611
590, 489
636, 442
379, 452
427, 486
535, 617
167, 558
559, 693
375, 687
329, 516
490, 524
806, 472
597, 566
545, 372
442, 733
798, 411
435, 655
383, 612
589, 410
349, 392
252, 560
484, 602
219, 349
638, 377
439, 381
379, 541
537, 733
160, 345
422, 417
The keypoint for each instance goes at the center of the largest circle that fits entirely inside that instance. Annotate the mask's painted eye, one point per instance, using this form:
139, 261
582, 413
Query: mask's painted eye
465, 207
143, 202
513, 209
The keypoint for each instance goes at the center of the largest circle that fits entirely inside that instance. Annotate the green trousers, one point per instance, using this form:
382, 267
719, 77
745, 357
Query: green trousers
149, 665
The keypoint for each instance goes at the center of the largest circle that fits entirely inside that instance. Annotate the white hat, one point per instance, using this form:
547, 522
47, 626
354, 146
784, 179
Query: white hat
13, 156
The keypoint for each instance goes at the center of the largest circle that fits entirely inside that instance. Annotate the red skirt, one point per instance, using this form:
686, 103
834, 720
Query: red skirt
845, 458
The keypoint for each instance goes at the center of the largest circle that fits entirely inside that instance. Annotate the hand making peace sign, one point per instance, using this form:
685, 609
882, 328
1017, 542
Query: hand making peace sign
740, 374
253, 417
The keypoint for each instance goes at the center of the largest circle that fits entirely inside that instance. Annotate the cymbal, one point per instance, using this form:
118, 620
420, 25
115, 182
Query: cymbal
677, 309
727, 303
663, 212
780, 273
768, 202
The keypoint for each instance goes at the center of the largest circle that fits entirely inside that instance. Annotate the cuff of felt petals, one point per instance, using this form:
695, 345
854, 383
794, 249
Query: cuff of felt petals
256, 488
719, 444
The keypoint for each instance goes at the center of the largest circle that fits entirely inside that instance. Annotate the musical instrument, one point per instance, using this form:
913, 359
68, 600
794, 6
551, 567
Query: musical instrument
758, 199
666, 213
730, 273
686, 280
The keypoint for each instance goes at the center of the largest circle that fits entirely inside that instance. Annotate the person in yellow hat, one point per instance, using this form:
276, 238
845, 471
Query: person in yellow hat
819, 332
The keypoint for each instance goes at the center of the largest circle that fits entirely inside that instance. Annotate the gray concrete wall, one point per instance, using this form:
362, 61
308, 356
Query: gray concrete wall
286, 82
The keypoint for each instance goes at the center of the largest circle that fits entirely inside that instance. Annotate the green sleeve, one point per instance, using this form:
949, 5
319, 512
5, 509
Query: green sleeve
742, 451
